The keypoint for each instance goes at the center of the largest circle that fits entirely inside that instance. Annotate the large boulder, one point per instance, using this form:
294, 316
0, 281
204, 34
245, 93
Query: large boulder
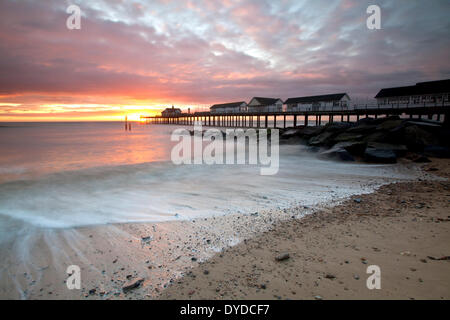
424, 123
347, 136
309, 132
398, 149
389, 124
380, 156
379, 136
289, 133
417, 138
322, 139
336, 153
354, 147
362, 128
338, 126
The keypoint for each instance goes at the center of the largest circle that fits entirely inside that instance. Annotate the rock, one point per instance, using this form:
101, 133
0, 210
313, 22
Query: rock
399, 149
282, 257
308, 132
357, 200
322, 139
348, 136
362, 128
436, 151
338, 126
336, 153
132, 285
379, 136
380, 156
291, 133
425, 123
330, 276
416, 138
354, 147
389, 124
206, 272
366, 121
318, 297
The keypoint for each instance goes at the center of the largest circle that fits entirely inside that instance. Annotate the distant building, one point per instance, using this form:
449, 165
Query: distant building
431, 92
258, 104
327, 102
168, 112
232, 107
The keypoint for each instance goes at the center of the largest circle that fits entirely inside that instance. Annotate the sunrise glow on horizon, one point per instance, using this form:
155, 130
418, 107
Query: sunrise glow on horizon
138, 57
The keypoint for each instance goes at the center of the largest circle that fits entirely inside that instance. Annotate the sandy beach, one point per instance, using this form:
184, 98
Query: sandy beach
403, 228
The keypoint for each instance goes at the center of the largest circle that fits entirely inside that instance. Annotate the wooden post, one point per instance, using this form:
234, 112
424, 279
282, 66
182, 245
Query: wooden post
295, 120
284, 122
306, 120
266, 121
320, 120
274, 121
447, 120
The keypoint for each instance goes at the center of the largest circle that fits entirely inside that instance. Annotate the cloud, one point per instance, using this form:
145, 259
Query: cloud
204, 52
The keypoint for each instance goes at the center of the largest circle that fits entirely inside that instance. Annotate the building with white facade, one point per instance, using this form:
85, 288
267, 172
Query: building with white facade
259, 104
327, 102
232, 107
423, 93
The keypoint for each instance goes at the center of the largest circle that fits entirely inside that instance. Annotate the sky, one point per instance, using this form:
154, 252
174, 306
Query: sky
139, 56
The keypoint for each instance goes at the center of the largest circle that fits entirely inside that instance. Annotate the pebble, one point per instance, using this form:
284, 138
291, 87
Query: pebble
283, 256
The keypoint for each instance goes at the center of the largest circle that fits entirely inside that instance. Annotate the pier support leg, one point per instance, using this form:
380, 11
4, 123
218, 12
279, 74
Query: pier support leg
284, 122
306, 120
274, 121
266, 121
295, 121
447, 120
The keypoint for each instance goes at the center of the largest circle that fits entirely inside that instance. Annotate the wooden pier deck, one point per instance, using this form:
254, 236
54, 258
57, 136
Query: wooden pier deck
261, 119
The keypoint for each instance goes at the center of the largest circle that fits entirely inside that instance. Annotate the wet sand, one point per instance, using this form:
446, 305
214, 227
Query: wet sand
187, 259
402, 228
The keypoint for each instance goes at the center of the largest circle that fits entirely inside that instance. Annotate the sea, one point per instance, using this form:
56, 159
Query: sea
58, 177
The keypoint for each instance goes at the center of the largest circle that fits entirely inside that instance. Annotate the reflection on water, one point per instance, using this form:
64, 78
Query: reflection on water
33, 149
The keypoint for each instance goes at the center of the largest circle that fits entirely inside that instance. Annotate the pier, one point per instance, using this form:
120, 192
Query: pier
247, 119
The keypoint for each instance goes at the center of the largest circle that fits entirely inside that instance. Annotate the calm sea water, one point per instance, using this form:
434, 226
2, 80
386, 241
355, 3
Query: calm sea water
58, 177
61, 175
